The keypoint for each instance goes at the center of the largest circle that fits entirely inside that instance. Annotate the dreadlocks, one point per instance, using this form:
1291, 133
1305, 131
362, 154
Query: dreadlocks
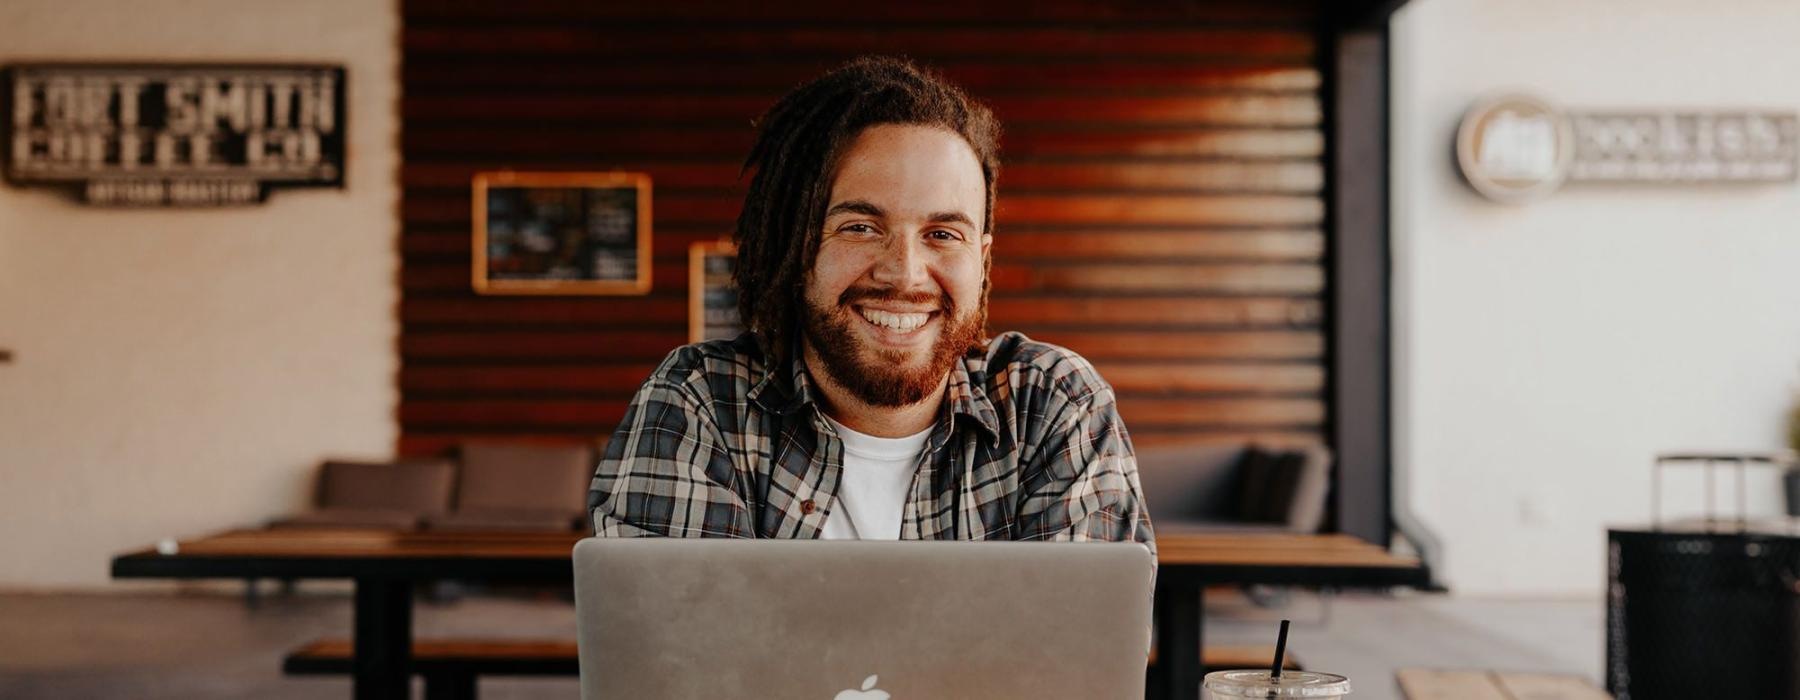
795, 157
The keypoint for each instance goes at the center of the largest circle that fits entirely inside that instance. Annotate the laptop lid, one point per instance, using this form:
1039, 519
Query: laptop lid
860, 620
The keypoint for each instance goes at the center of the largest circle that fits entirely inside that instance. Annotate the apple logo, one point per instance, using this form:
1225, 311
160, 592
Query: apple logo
868, 692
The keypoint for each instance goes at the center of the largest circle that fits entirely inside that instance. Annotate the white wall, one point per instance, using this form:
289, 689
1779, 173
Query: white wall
182, 371
1543, 353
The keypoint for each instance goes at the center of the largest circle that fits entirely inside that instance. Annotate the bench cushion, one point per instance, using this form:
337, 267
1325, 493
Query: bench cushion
1266, 483
386, 519
1189, 482
504, 520
1218, 527
1236, 487
417, 486
517, 477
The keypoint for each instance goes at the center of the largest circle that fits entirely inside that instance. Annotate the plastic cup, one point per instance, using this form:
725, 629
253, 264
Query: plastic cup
1236, 685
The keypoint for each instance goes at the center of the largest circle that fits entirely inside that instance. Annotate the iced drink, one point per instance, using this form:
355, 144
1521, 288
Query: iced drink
1236, 685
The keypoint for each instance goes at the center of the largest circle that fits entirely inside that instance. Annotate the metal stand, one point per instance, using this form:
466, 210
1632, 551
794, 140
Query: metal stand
1707, 461
383, 641
450, 685
1179, 603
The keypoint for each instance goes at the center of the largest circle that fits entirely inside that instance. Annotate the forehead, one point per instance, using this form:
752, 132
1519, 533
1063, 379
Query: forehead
907, 168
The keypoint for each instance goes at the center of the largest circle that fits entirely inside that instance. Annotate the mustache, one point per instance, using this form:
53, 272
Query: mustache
863, 294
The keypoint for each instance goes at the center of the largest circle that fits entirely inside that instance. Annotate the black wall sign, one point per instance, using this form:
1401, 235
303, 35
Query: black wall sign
176, 134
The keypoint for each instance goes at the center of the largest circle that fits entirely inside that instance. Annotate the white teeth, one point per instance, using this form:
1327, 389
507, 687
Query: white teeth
899, 322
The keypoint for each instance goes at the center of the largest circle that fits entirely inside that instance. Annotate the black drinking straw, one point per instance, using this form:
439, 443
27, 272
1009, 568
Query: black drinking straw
1280, 652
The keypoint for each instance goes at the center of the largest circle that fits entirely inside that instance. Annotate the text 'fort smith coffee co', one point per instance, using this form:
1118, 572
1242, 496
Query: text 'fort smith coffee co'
174, 135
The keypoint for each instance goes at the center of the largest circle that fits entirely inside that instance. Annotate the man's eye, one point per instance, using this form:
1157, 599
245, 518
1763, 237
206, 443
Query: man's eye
944, 235
857, 228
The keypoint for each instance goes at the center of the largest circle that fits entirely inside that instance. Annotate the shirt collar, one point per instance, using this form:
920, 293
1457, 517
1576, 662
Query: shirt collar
778, 396
965, 394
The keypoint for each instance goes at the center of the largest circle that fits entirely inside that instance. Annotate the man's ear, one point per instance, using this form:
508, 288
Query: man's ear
987, 266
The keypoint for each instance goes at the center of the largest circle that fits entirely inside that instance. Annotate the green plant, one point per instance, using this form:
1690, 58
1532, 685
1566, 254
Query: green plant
1794, 426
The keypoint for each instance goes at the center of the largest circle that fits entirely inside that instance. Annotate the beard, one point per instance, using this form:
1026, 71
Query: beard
884, 377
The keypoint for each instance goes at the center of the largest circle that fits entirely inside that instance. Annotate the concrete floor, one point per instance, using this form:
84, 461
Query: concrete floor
1369, 637
208, 645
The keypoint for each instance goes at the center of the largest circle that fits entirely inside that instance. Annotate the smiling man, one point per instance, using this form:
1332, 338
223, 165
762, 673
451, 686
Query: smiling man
866, 401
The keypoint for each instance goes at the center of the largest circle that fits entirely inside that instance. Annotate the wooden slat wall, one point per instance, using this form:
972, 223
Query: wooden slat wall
1160, 207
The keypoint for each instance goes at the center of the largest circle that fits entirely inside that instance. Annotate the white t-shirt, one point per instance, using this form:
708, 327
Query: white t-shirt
872, 487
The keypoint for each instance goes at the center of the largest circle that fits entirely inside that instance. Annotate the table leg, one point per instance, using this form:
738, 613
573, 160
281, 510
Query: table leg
450, 685
383, 641
1178, 607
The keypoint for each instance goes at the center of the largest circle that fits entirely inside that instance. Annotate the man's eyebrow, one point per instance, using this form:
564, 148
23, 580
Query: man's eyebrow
867, 208
856, 206
951, 217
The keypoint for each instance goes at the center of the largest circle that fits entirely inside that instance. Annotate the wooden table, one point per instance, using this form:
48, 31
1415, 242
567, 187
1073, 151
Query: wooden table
1434, 684
385, 565
1188, 562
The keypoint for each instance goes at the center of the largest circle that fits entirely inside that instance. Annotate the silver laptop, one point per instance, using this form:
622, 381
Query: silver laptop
847, 620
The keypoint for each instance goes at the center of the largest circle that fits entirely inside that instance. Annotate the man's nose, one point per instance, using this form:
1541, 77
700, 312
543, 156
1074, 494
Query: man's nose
904, 264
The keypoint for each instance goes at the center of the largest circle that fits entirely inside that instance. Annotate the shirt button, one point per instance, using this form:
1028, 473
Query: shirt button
807, 506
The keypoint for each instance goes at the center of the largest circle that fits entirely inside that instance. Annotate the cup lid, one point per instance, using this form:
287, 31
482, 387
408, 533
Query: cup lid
1291, 684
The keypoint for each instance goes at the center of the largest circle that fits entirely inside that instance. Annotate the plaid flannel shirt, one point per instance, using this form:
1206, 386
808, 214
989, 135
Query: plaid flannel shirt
1028, 446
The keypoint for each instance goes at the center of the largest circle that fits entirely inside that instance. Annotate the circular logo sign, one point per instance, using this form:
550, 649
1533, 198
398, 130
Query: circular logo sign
1514, 148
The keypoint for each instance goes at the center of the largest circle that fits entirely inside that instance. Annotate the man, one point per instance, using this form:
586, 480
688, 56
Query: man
864, 402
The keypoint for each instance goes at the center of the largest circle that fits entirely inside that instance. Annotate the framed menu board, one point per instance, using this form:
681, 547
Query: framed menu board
561, 233
159, 134
712, 298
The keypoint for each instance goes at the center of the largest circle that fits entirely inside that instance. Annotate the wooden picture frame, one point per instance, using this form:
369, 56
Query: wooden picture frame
561, 233
712, 297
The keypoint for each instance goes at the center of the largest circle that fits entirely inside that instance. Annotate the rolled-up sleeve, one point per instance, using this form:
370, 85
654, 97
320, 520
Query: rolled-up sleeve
1083, 484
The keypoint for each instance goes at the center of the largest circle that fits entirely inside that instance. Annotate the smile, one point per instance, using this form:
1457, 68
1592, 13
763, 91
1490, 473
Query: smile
895, 321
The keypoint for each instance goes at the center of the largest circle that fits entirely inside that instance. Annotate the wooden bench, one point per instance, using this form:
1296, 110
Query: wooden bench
451, 666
